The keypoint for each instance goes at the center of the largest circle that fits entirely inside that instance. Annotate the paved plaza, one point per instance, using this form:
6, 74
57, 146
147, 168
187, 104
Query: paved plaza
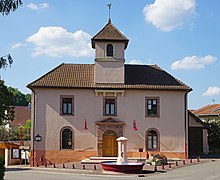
205, 169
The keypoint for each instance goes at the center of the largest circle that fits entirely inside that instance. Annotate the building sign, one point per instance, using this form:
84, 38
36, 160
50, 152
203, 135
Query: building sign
15, 154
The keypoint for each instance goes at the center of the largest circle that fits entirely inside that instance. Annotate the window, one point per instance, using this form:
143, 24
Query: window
66, 138
67, 105
152, 107
152, 140
110, 107
109, 50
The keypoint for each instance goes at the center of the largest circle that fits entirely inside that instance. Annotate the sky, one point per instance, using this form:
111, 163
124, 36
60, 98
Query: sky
180, 36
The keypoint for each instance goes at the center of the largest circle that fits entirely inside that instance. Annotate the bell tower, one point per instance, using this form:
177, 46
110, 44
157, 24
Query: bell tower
109, 45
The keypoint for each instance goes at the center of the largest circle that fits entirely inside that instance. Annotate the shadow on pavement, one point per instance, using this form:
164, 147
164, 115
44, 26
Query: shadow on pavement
16, 169
150, 172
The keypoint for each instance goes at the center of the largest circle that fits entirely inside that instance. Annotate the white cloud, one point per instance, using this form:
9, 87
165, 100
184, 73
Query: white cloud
212, 91
168, 15
135, 62
37, 7
17, 45
193, 62
57, 41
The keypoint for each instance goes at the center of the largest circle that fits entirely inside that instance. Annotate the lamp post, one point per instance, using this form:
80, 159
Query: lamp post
21, 143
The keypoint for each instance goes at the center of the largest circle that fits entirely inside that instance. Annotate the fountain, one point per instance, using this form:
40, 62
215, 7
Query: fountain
122, 165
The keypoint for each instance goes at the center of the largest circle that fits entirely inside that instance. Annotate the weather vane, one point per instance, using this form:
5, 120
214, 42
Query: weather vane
109, 11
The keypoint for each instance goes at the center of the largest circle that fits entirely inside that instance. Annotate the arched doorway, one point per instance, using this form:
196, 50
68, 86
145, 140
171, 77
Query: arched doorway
110, 146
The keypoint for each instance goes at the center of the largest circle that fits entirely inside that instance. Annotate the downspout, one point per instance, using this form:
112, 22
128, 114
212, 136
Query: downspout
186, 125
33, 129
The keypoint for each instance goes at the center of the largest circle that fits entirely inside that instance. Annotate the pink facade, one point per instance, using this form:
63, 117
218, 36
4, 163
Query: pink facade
101, 101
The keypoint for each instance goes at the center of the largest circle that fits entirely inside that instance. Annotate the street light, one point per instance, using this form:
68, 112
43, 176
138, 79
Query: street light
21, 143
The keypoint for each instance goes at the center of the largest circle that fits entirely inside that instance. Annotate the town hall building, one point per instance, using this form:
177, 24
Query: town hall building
79, 110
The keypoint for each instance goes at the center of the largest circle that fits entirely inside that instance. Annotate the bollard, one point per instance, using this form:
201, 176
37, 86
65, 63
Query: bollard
176, 163
94, 167
147, 155
163, 166
169, 165
54, 165
184, 162
63, 165
198, 159
73, 166
155, 168
190, 161
37, 165
84, 167
45, 164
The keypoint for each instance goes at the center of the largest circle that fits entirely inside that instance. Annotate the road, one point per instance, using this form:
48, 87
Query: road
204, 171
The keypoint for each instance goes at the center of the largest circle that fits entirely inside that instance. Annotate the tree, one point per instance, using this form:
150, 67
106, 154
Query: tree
5, 61
13, 133
6, 6
6, 110
19, 99
214, 136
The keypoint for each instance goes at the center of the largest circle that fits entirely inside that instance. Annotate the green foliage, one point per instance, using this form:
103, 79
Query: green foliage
19, 99
6, 108
5, 61
14, 133
6, 6
2, 167
214, 137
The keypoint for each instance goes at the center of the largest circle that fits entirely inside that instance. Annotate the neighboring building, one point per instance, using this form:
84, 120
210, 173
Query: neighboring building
80, 109
22, 114
198, 136
208, 113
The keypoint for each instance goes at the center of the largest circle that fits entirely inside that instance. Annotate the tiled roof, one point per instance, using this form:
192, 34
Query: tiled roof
22, 113
82, 76
211, 109
111, 33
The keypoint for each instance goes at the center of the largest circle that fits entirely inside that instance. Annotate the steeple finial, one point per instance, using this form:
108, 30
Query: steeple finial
109, 12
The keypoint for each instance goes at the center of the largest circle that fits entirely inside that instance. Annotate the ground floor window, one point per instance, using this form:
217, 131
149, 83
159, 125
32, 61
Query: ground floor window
66, 138
152, 140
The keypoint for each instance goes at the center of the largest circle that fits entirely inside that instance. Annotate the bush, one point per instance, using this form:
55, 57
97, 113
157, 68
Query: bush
2, 167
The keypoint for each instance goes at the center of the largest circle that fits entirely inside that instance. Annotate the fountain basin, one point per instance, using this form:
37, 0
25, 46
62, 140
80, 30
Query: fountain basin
127, 167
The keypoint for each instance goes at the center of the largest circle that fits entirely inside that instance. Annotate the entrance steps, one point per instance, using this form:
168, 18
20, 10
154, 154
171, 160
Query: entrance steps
97, 160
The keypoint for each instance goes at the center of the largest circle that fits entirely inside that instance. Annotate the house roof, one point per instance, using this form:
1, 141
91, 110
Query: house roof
109, 33
211, 109
199, 120
22, 113
82, 76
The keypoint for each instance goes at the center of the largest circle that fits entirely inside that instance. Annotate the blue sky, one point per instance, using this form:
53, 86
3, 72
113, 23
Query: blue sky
180, 36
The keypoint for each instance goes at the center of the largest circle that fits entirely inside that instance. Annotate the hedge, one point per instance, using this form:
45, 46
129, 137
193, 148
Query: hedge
2, 167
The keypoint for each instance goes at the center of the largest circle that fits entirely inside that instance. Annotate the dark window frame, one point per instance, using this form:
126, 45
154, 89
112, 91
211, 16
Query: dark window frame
154, 111
64, 141
152, 133
65, 100
108, 101
109, 50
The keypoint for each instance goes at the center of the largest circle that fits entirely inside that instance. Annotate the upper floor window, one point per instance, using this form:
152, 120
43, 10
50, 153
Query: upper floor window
67, 105
66, 138
152, 107
110, 107
109, 49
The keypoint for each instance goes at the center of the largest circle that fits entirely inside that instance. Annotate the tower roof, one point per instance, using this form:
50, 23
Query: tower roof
109, 33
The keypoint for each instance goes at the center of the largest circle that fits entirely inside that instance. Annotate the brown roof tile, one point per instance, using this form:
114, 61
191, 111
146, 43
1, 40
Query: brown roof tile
82, 76
111, 33
211, 109
22, 113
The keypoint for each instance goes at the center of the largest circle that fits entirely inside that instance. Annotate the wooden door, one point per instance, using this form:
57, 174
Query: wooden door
110, 147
